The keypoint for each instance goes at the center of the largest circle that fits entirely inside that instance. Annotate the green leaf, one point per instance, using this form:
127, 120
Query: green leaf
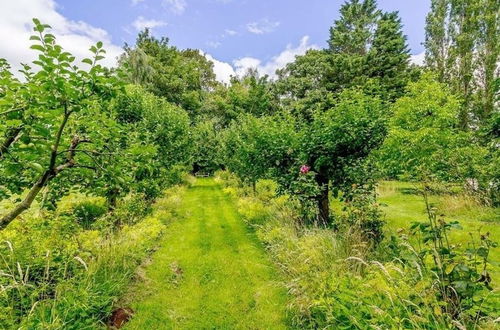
38, 47
482, 252
36, 166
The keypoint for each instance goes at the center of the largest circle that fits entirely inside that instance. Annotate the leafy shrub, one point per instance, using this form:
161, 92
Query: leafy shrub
177, 175
87, 212
361, 212
266, 190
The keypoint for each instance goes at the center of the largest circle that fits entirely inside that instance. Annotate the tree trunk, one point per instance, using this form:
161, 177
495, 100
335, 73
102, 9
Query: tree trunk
112, 200
48, 175
28, 200
323, 199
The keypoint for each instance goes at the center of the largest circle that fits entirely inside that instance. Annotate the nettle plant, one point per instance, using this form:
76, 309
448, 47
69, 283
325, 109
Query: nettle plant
55, 125
461, 275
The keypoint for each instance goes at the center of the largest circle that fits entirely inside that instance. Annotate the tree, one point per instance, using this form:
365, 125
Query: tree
14, 94
424, 136
352, 33
304, 85
57, 111
249, 94
181, 77
257, 148
139, 71
388, 57
489, 57
158, 141
207, 141
339, 140
437, 39
462, 48
464, 33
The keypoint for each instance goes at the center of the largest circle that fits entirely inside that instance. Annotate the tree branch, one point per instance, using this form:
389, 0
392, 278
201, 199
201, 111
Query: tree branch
10, 111
48, 175
10, 138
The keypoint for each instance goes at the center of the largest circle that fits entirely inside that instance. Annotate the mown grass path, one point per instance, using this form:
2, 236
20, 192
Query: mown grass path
210, 272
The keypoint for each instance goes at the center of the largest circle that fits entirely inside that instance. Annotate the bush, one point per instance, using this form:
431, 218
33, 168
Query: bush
87, 212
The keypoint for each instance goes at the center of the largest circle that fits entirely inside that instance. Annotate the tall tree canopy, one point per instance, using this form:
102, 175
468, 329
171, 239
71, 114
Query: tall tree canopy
463, 48
182, 77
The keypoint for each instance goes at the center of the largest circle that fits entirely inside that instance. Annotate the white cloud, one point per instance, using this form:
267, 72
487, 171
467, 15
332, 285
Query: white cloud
263, 26
418, 59
244, 64
277, 62
229, 32
136, 2
141, 23
223, 71
176, 6
213, 44
16, 27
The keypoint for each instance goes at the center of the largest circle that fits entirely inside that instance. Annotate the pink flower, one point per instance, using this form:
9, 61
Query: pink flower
304, 169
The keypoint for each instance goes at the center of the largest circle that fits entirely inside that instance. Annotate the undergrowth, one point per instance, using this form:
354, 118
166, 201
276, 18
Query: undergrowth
65, 270
339, 279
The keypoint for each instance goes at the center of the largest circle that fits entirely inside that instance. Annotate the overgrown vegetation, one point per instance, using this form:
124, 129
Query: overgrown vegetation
89, 156
420, 279
66, 269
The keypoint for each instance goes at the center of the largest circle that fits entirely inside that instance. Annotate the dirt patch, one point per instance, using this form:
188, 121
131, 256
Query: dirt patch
119, 317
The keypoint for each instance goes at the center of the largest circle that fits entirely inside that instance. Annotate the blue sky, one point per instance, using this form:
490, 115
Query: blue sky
237, 33
207, 24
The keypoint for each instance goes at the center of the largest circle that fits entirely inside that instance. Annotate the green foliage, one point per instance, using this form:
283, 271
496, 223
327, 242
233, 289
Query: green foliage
389, 56
362, 213
349, 131
462, 48
50, 118
313, 134
255, 147
159, 144
352, 33
87, 212
181, 77
59, 274
462, 283
336, 280
424, 136
249, 94
304, 84
207, 142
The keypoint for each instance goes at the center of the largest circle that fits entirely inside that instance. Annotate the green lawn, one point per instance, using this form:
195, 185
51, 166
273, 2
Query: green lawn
402, 207
210, 272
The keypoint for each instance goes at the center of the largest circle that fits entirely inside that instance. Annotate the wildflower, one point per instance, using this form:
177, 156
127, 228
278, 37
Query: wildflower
304, 169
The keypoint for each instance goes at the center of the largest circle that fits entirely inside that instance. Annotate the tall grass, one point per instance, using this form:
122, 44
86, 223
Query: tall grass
57, 274
337, 279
